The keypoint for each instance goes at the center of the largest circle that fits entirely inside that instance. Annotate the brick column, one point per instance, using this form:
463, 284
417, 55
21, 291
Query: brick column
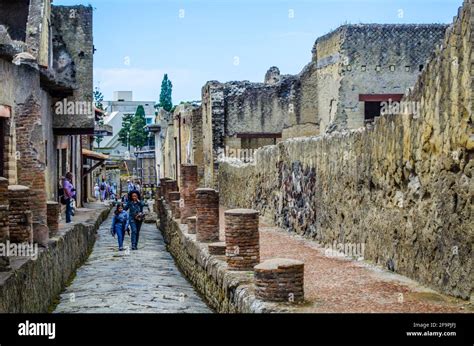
54, 211
242, 239
174, 198
189, 183
20, 217
207, 213
4, 224
191, 222
170, 186
280, 280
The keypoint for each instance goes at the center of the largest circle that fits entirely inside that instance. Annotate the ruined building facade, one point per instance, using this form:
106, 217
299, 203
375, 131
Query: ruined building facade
402, 187
353, 70
333, 167
46, 109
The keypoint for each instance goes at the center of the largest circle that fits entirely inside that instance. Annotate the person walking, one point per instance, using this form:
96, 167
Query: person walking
136, 216
96, 191
120, 223
103, 188
130, 186
69, 194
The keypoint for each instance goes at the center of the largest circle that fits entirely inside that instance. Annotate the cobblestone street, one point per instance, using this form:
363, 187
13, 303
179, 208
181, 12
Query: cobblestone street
143, 281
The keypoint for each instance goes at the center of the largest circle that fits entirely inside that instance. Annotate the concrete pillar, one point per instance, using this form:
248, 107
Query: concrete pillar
54, 211
4, 224
280, 280
20, 217
191, 222
207, 213
242, 239
189, 183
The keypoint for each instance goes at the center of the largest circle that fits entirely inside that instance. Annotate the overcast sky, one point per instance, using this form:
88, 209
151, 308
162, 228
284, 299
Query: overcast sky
194, 41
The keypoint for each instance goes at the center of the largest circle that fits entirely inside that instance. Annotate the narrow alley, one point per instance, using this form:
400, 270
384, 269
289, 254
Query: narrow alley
143, 281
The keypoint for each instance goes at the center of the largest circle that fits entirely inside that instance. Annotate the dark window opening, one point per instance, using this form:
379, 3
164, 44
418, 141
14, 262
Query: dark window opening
14, 15
372, 110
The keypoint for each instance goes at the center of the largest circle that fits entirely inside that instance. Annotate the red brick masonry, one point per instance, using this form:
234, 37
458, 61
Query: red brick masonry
280, 280
207, 212
189, 182
242, 238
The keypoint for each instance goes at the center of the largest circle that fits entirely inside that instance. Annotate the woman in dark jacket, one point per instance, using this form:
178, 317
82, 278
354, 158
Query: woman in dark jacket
136, 216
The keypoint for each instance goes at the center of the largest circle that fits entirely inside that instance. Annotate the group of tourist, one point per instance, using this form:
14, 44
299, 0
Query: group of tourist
105, 191
128, 219
128, 216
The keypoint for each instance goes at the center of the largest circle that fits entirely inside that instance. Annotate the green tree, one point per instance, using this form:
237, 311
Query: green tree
98, 99
98, 102
165, 95
124, 133
138, 131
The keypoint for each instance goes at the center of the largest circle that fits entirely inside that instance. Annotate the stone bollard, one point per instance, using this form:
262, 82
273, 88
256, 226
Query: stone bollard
207, 214
217, 249
191, 222
171, 186
174, 198
4, 224
164, 188
242, 239
54, 211
175, 209
20, 217
156, 205
189, 181
280, 280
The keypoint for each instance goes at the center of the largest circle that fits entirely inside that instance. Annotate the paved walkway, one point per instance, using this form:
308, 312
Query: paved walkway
143, 281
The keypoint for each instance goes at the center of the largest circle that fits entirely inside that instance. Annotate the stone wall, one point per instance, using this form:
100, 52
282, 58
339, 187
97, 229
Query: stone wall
225, 291
403, 188
33, 285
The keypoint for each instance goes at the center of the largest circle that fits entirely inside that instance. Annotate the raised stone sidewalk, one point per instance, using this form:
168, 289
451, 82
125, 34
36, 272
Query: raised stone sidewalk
34, 282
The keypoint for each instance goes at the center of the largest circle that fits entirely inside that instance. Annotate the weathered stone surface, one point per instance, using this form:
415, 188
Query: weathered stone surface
54, 211
217, 249
403, 188
191, 223
41, 280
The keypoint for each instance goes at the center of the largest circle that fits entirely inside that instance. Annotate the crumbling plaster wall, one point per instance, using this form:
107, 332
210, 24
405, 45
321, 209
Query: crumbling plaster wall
404, 188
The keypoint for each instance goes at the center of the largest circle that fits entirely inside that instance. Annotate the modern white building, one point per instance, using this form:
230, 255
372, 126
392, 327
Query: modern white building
116, 109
